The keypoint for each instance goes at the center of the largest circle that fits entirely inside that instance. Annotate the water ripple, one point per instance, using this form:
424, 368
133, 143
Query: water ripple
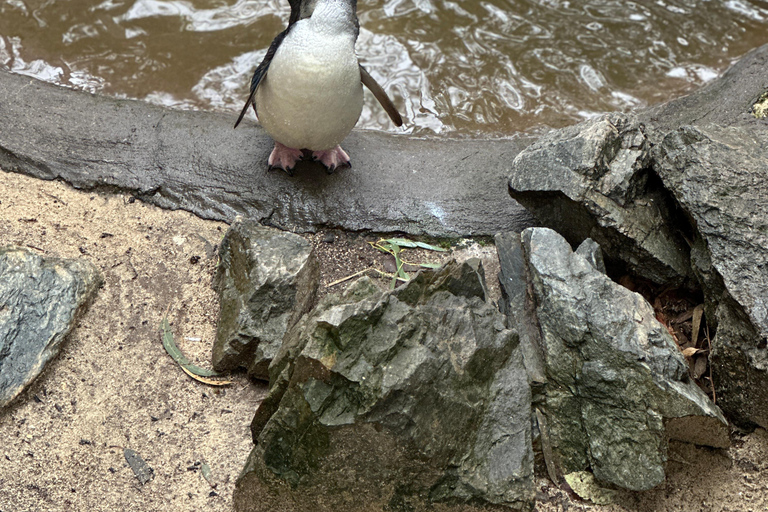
490, 67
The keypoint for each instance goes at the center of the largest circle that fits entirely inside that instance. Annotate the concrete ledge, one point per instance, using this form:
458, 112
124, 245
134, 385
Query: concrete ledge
195, 161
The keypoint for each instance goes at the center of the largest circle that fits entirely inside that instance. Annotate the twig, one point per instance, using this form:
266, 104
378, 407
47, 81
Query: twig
55, 198
711, 380
339, 281
680, 460
381, 272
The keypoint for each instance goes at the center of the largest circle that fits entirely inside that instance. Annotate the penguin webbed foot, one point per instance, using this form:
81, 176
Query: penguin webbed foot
332, 159
284, 158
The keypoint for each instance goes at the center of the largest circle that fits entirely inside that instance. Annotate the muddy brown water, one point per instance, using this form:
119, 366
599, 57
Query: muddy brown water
476, 68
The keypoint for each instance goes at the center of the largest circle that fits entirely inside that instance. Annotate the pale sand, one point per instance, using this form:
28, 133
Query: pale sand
113, 378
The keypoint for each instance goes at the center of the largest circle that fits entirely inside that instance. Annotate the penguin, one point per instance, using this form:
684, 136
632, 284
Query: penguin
307, 93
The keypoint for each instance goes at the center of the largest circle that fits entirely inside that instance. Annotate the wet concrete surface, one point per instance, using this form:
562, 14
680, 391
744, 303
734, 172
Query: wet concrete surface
195, 161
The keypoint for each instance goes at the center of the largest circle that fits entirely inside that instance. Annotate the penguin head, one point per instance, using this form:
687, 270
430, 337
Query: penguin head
302, 9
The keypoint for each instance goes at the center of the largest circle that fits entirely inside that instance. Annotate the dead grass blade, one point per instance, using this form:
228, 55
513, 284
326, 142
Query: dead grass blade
711, 380
205, 380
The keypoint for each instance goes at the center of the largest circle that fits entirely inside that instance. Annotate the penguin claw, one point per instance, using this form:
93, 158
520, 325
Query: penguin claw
332, 159
288, 171
284, 158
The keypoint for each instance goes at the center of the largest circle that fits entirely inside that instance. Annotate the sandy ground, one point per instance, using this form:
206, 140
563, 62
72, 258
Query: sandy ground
114, 387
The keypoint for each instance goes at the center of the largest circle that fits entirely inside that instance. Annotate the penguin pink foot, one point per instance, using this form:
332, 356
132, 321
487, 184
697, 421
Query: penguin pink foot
283, 157
332, 158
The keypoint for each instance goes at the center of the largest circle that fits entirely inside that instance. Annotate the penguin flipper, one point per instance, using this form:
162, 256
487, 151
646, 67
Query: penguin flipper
381, 96
261, 72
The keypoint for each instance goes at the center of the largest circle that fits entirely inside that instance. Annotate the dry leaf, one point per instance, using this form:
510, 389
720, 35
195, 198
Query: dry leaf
692, 351
700, 366
204, 380
627, 282
698, 312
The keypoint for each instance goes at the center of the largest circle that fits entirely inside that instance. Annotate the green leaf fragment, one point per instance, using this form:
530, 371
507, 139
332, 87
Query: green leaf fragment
430, 247
205, 470
170, 346
403, 242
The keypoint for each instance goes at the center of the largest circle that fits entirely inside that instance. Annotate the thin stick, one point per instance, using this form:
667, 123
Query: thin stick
381, 272
711, 380
350, 277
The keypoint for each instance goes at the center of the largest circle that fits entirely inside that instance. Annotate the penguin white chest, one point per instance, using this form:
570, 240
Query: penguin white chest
311, 96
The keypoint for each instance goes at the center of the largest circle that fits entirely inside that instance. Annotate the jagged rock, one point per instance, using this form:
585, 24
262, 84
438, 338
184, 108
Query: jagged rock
597, 179
266, 280
412, 399
592, 180
661, 191
40, 300
614, 375
719, 176
517, 307
590, 251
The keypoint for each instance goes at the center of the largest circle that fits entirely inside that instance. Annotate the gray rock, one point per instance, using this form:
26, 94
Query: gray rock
592, 181
590, 251
195, 161
40, 300
719, 176
517, 306
614, 374
598, 179
412, 399
266, 280
676, 194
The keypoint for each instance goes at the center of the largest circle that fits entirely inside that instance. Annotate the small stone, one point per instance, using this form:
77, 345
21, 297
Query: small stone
143, 472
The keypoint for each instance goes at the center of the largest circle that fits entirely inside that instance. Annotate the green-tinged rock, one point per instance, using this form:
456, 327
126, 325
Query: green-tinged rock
614, 374
400, 400
40, 300
266, 280
144, 473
